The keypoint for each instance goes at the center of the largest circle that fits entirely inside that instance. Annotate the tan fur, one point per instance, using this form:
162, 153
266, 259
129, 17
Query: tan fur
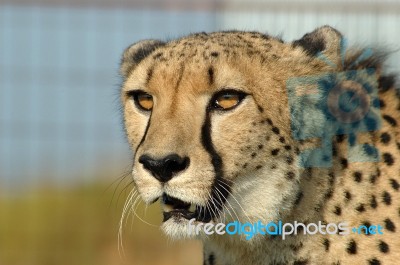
176, 75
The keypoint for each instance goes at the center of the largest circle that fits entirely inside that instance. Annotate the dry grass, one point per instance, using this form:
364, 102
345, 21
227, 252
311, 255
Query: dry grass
79, 226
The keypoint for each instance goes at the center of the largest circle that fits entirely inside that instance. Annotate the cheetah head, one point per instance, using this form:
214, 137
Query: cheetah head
207, 119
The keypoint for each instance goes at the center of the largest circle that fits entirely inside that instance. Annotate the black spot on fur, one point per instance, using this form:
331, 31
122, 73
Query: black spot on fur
258, 167
260, 109
365, 230
210, 76
386, 82
274, 152
338, 210
387, 199
352, 247
149, 75
385, 138
214, 54
382, 104
300, 230
289, 160
275, 130
374, 261
331, 176
253, 155
260, 146
282, 139
329, 194
372, 178
372, 202
290, 175
388, 158
269, 121
390, 120
383, 247
395, 184
326, 244
360, 208
296, 248
389, 225
308, 173
357, 176
157, 55
340, 138
344, 163
288, 147
299, 196
347, 195
297, 151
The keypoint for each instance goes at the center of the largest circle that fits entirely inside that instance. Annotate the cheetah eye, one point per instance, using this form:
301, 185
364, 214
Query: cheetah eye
227, 99
143, 100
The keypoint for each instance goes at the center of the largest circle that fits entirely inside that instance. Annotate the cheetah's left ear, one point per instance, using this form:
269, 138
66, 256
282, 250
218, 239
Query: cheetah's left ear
326, 40
135, 53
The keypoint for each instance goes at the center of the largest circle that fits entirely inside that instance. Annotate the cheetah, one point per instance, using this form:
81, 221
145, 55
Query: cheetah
209, 121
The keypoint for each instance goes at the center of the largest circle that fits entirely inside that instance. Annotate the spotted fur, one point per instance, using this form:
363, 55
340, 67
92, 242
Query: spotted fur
246, 158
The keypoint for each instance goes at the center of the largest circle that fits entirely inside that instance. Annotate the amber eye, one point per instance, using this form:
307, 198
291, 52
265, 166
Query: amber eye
227, 99
143, 100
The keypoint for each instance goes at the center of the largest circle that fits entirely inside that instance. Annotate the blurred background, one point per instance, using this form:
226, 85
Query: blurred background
64, 161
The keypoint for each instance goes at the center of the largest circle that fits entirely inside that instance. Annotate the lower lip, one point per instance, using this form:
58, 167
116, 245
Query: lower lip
178, 215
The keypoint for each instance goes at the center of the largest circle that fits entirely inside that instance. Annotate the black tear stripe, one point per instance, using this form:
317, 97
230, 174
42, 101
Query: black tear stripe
220, 189
143, 138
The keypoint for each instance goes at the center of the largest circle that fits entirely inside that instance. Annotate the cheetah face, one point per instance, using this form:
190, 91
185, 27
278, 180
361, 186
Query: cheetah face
208, 128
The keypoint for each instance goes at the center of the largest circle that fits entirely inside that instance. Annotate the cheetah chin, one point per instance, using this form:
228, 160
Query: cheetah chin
216, 137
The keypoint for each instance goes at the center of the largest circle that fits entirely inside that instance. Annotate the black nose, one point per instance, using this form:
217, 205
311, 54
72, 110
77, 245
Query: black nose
166, 168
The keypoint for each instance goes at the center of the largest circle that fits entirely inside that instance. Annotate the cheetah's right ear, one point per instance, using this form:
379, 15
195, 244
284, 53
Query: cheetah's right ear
135, 53
326, 40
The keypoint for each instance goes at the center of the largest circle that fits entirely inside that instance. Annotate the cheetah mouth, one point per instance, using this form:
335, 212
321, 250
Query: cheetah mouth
178, 209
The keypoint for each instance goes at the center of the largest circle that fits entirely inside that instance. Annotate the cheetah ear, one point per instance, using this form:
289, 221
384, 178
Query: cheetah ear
326, 40
135, 53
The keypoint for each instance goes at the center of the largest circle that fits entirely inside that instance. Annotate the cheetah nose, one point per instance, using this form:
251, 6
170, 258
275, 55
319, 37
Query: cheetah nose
166, 168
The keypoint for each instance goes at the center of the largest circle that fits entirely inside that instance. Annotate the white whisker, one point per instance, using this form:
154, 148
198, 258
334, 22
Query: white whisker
249, 219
